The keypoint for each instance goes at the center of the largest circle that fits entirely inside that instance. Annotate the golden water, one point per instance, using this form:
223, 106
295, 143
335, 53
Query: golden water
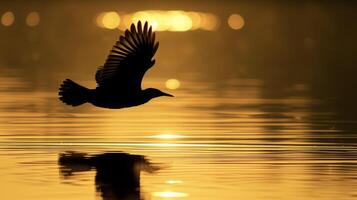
226, 141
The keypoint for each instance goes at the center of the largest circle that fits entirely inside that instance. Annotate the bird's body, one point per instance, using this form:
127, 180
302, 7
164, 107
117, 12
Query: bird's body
107, 99
119, 79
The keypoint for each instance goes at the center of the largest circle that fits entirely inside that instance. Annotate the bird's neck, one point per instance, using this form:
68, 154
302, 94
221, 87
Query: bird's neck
146, 95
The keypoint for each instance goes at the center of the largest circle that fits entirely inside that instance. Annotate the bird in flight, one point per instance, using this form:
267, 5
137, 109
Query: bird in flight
119, 79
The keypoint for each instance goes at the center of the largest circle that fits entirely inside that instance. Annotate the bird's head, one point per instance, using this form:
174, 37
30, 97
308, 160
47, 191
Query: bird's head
153, 93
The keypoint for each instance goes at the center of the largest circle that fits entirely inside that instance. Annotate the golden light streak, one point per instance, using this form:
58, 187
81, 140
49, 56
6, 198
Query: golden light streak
170, 194
168, 136
196, 20
179, 21
172, 20
174, 181
157, 19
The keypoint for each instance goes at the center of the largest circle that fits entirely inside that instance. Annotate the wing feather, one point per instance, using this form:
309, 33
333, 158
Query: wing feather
149, 35
123, 42
145, 38
155, 48
134, 35
152, 41
118, 52
129, 39
140, 30
129, 59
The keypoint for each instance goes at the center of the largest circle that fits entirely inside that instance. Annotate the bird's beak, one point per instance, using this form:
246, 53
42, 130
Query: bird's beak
168, 95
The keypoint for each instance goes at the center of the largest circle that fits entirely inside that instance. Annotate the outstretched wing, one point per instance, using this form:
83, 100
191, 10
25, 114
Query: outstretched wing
128, 60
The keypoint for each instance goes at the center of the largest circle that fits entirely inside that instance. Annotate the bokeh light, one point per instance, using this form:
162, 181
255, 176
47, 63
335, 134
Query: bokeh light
8, 18
196, 20
235, 21
33, 19
174, 20
179, 21
172, 84
209, 22
156, 19
109, 20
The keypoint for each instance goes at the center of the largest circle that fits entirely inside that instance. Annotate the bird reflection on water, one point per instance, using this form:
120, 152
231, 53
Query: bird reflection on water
117, 173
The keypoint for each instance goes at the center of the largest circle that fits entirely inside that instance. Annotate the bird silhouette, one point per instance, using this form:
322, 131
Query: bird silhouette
119, 79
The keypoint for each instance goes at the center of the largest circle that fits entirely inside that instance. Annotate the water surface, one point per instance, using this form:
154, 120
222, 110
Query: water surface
229, 140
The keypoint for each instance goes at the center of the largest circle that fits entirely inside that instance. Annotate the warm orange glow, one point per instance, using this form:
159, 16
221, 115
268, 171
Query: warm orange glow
167, 136
169, 194
172, 84
33, 19
98, 19
8, 18
196, 20
125, 21
175, 20
156, 19
235, 21
210, 22
174, 181
179, 21
109, 20
207, 145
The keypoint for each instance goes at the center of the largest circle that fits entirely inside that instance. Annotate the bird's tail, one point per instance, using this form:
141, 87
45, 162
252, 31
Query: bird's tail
73, 94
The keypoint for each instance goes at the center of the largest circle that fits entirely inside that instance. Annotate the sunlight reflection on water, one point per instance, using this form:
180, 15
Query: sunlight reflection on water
228, 143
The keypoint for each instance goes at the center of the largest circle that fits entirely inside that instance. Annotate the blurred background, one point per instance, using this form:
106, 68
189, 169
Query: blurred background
264, 103
307, 45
